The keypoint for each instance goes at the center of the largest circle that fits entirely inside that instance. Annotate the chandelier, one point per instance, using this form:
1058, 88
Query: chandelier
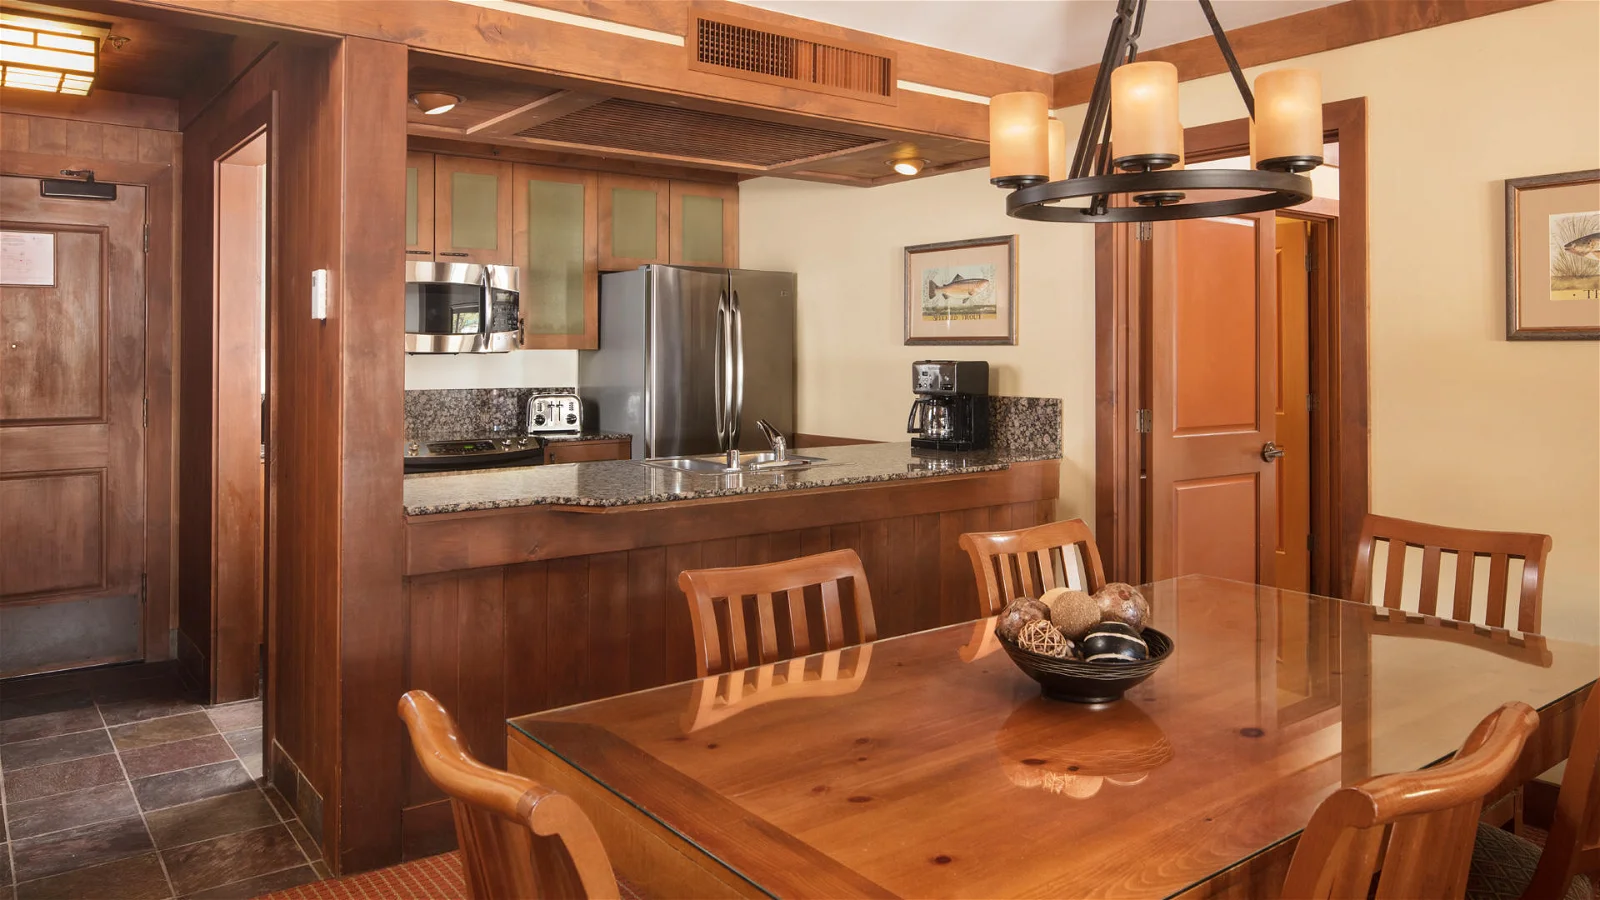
1131, 144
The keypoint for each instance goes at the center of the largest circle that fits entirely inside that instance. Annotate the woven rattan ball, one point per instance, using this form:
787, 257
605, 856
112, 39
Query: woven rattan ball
1074, 612
1018, 613
1044, 639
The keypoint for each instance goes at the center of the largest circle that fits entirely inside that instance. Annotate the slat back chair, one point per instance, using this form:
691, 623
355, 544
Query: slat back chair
720, 649
1431, 818
1573, 845
1029, 561
1467, 545
518, 839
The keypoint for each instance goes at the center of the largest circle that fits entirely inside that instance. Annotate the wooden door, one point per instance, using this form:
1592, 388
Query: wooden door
558, 254
633, 222
1292, 415
472, 211
1213, 392
72, 348
419, 206
704, 230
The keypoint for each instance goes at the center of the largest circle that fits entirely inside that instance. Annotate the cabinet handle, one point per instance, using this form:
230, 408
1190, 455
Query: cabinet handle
421, 252
447, 253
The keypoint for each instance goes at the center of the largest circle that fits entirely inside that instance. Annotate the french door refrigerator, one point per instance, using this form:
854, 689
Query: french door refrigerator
691, 357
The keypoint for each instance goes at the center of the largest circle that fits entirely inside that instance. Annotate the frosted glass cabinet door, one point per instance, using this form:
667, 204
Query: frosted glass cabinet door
419, 205
633, 221
472, 210
557, 250
705, 224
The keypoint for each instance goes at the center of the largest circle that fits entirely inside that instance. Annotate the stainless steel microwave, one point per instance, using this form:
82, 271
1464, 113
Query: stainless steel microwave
462, 308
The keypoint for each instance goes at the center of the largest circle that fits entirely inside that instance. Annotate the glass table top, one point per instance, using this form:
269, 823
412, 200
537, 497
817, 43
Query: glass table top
928, 765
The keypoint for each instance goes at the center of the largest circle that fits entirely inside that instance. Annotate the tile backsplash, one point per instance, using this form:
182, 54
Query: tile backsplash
467, 412
1025, 424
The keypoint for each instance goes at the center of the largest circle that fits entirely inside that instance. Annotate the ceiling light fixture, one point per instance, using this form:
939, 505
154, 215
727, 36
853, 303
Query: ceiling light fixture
907, 165
432, 103
1137, 103
42, 53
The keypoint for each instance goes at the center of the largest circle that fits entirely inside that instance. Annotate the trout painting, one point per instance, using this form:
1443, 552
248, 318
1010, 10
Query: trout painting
1575, 256
962, 292
959, 293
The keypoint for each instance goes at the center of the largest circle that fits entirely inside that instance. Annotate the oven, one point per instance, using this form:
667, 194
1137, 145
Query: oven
462, 308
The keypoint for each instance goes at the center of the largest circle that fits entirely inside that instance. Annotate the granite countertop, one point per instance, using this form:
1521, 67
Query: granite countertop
588, 436
613, 483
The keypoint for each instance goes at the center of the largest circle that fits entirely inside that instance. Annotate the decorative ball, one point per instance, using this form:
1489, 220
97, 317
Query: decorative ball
1074, 612
1123, 603
1112, 642
1040, 637
1018, 613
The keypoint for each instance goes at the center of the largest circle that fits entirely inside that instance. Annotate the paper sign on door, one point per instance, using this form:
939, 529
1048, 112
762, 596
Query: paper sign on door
27, 258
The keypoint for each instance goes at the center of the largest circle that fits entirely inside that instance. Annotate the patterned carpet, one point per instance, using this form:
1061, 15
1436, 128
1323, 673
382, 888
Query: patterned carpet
431, 878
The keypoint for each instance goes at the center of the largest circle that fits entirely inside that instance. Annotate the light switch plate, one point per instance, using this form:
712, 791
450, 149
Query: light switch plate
319, 294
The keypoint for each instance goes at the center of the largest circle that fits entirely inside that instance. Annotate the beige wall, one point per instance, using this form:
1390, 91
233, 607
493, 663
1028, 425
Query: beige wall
1467, 428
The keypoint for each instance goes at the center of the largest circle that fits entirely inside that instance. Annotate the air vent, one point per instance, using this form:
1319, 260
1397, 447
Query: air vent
748, 50
690, 134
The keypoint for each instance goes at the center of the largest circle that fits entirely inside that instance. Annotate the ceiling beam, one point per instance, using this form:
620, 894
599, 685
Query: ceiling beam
1313, 31
540, 111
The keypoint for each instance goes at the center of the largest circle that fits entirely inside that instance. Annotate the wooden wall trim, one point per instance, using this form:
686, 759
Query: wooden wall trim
561, 50
104, 107
371, 91
471, 540
1313, 31
41, 147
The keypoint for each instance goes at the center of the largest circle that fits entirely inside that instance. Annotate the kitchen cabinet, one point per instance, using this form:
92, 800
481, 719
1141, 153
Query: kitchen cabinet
704, 227
472, 211
588, 451
419, 206
633, 221
556, 240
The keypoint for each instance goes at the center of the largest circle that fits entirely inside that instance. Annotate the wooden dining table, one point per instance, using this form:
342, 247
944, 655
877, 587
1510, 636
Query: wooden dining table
928, 765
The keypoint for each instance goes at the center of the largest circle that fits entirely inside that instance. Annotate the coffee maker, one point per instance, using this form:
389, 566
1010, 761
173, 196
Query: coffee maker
951, 411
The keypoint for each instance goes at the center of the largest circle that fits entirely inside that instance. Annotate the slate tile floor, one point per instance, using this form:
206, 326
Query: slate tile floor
114, 783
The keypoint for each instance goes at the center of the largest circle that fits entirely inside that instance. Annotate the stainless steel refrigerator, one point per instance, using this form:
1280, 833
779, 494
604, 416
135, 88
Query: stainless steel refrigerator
691, 357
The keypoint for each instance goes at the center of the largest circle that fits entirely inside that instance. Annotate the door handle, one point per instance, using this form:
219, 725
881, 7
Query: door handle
718, 388
1271, 451
737, 372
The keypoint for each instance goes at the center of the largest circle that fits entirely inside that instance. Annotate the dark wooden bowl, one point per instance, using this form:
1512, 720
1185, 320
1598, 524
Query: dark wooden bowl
1090, 682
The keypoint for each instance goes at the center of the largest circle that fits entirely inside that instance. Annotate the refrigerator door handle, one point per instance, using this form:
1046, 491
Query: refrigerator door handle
719, 378
737, 373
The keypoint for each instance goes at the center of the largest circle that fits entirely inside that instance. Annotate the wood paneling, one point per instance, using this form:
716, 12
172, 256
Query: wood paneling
604, 615
587, 451
129, 111
1313, 31
53, 531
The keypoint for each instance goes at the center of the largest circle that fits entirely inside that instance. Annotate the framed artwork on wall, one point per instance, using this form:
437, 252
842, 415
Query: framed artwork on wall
1553, 257
962, 292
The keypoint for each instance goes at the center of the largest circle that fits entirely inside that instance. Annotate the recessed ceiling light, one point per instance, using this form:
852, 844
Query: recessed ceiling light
432, 103
907, 165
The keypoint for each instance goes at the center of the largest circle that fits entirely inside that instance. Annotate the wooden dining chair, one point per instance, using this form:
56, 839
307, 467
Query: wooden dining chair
1508, 867
518, 839
1029, 561
1435, 540
1430, 818
720, 602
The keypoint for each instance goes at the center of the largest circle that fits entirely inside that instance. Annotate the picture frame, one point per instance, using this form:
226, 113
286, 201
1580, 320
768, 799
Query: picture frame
1553, 257
962, 292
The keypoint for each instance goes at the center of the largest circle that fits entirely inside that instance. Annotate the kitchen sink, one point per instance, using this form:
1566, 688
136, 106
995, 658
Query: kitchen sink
748, 462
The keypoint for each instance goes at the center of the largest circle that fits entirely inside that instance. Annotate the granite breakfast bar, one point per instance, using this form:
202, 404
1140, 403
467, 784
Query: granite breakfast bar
532, 588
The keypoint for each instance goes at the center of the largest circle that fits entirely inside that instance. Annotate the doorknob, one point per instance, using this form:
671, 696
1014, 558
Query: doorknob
1271, 451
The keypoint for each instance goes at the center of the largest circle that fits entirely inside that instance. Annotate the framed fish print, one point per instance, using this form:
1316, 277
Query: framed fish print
1553, 257
962, 292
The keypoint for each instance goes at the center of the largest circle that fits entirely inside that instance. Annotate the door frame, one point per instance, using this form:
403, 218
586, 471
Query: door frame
1120, 341
160, 289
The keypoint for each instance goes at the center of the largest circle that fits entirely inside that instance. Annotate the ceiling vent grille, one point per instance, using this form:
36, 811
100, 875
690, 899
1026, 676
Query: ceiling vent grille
690, 134
747, 50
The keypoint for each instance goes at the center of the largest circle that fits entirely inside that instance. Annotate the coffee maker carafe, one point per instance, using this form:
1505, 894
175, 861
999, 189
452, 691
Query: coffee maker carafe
951, 411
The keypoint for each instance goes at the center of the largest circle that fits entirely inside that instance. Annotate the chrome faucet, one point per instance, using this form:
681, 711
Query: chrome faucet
780, 447
733, 459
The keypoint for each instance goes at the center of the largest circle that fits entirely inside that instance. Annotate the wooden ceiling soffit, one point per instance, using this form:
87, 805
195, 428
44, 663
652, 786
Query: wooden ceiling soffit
514, 150
523, 36
534, 114
1313, 31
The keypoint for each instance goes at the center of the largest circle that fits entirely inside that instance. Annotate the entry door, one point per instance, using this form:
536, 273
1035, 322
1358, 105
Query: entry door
1213, 394
72, 363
